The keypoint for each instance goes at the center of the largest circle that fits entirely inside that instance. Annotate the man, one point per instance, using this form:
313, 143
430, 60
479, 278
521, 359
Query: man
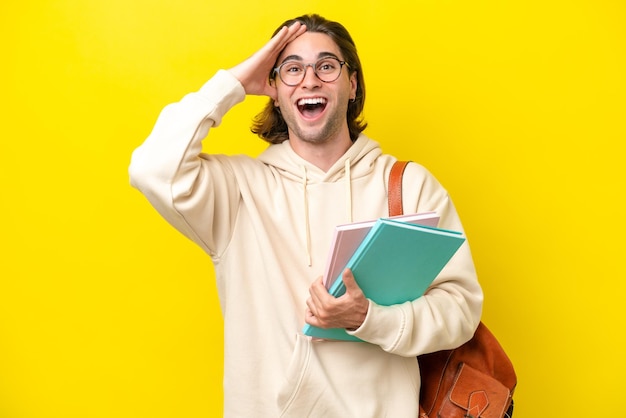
267, 223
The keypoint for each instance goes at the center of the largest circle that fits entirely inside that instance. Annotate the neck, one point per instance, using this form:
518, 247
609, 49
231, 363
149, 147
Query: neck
321, 154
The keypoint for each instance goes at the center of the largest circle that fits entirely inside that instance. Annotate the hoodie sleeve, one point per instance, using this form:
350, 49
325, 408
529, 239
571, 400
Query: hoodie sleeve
448, 314
187, 188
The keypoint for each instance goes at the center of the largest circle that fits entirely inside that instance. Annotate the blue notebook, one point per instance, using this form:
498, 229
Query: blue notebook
395, 263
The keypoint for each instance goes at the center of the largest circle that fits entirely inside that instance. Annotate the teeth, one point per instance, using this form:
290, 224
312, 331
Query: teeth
311, 101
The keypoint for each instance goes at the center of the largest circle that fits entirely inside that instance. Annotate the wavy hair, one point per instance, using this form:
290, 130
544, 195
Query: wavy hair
270, 124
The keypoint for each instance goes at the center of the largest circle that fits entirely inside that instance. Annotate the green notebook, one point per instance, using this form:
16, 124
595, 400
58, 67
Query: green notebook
395, 263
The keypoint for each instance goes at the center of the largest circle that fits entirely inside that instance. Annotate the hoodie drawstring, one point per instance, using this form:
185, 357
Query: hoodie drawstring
348, 191
306, 218
307, 221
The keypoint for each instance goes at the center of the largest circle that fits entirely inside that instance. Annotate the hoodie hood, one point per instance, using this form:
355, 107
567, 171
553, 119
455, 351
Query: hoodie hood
361, 156
355, 163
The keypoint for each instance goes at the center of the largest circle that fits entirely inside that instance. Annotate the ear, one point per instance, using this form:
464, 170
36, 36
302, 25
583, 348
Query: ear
273, 95
353, 84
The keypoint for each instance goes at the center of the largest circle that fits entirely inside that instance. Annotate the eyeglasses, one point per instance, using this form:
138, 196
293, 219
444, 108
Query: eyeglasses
326, 69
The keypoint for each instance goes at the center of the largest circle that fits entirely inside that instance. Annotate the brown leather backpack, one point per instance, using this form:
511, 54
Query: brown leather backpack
475, 380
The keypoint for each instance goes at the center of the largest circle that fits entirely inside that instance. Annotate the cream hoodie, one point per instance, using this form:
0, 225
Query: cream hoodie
267, 224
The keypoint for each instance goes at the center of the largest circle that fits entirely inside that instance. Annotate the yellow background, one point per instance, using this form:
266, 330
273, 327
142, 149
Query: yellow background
517, 106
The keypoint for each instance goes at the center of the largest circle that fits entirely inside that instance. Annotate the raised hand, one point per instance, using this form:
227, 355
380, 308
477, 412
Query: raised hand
253, 72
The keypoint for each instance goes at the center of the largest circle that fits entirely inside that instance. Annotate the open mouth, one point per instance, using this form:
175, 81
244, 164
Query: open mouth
311, 107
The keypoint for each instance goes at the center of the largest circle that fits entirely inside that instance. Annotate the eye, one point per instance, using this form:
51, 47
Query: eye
291, 68
327, 66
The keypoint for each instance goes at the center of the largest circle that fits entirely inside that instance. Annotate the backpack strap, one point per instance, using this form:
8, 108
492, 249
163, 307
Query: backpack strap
394, 190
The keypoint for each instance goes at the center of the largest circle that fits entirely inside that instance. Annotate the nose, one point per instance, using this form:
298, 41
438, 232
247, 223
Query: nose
310, 79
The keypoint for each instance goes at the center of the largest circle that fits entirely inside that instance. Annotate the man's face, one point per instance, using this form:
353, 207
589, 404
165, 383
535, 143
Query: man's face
315, 111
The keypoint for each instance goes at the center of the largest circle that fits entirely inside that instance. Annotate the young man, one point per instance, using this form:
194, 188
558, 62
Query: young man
267, 223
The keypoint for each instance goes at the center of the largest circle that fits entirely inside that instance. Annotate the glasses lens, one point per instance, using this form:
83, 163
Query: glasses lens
328, 69
291, 72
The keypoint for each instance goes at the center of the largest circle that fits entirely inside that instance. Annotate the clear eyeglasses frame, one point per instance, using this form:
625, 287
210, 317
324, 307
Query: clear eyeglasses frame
327, 69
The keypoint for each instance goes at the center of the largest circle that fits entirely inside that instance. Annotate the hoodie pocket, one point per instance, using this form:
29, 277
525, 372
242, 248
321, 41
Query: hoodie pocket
297, 371
339, 379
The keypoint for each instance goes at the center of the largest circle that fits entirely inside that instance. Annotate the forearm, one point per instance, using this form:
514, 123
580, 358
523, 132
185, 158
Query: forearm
167, 167
445, 317
171, 150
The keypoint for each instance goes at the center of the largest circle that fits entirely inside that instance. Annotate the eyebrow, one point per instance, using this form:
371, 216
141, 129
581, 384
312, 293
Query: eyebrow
319, 56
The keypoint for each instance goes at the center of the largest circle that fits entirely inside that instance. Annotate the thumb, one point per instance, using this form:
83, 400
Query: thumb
350, 282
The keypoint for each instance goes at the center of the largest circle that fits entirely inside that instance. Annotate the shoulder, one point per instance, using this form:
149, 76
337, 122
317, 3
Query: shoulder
238, 165
420, 188
417, 171
409, 170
